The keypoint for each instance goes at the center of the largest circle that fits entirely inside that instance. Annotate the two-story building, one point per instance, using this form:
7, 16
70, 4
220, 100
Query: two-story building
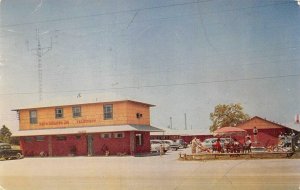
117, 127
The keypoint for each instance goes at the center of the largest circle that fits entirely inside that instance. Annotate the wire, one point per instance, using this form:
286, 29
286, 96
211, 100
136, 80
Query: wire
137, 10
159, 85
103, 14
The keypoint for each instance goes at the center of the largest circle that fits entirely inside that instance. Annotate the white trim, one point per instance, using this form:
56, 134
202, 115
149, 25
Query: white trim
80, 130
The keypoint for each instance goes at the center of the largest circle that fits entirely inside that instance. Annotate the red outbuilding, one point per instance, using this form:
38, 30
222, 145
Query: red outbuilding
267, 131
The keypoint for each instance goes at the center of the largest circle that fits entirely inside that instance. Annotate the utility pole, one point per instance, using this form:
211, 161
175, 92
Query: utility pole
39, 52
185, 126
170, 122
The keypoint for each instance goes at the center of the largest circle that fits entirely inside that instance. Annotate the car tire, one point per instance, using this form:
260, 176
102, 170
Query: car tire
19, 156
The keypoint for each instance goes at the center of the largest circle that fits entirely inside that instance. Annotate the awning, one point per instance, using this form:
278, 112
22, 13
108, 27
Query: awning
80, 130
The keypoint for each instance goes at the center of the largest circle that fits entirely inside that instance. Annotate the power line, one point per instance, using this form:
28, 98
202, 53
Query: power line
103, 14
161, 85
137, 10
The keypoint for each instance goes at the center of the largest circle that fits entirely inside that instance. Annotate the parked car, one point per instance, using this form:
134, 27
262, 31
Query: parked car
173, 145
155, 145
182, 143
7, 152
208, 143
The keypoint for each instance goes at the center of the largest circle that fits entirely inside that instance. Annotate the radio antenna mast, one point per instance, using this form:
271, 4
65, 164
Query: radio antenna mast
40, 52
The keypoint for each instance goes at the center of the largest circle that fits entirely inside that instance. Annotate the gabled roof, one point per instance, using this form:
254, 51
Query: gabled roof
278, 125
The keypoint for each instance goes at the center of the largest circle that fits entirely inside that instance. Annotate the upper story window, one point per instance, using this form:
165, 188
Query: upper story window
59, 113
76, 111
33, 117
108, 111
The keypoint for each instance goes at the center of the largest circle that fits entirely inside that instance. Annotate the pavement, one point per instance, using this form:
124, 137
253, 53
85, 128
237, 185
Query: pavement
152, 172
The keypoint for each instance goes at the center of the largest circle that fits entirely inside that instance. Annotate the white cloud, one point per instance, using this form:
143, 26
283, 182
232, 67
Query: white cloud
298, 2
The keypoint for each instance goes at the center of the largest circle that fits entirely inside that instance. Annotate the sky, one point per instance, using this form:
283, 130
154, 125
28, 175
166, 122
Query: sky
184, 56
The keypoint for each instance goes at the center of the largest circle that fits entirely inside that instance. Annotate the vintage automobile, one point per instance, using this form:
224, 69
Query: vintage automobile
208, 143
182, 143
173, 145
7, 152
155, 145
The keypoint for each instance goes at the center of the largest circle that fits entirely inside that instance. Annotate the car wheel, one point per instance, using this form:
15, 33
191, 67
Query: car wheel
19, 156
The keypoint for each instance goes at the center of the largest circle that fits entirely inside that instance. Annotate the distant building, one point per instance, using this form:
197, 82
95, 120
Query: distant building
268, 131
117, 127
186, 135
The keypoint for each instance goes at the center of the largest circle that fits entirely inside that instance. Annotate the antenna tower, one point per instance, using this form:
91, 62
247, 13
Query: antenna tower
40, 52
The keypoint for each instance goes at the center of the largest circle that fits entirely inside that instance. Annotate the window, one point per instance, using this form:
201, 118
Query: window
105, 135
108, 111
61, 138
28, 139
139, 139
76, 111
119, 135
33, 117
59, 113
40, 138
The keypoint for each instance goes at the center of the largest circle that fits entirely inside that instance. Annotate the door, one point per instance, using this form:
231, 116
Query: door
90, 145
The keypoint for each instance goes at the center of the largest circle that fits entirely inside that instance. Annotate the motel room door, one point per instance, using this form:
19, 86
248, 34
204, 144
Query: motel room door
90, 146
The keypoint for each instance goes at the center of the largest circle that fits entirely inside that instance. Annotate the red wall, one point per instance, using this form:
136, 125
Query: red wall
267, 137
33, 148
113, 145
66, 147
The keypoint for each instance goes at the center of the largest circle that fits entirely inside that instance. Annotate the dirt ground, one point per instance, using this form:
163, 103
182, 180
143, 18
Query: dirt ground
152, 172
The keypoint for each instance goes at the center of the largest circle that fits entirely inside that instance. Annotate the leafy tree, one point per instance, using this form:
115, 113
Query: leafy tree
226, 115
5, 134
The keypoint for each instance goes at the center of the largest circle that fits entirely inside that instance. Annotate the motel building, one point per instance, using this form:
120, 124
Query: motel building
100, 128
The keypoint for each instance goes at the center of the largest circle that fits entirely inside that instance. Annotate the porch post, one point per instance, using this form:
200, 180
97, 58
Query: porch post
50, 145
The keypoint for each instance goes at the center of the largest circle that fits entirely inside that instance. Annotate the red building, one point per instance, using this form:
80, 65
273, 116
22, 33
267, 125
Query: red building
186, 135
268, 131
117, 127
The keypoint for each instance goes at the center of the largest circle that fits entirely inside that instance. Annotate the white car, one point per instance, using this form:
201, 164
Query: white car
155, 145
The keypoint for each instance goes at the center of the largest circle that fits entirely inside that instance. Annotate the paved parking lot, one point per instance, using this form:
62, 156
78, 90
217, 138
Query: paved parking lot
153, 172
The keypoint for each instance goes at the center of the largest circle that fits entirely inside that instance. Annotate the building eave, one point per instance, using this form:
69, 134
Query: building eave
85, 130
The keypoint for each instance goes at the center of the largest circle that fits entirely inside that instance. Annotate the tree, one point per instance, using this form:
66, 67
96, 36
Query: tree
226, 115
5, 134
